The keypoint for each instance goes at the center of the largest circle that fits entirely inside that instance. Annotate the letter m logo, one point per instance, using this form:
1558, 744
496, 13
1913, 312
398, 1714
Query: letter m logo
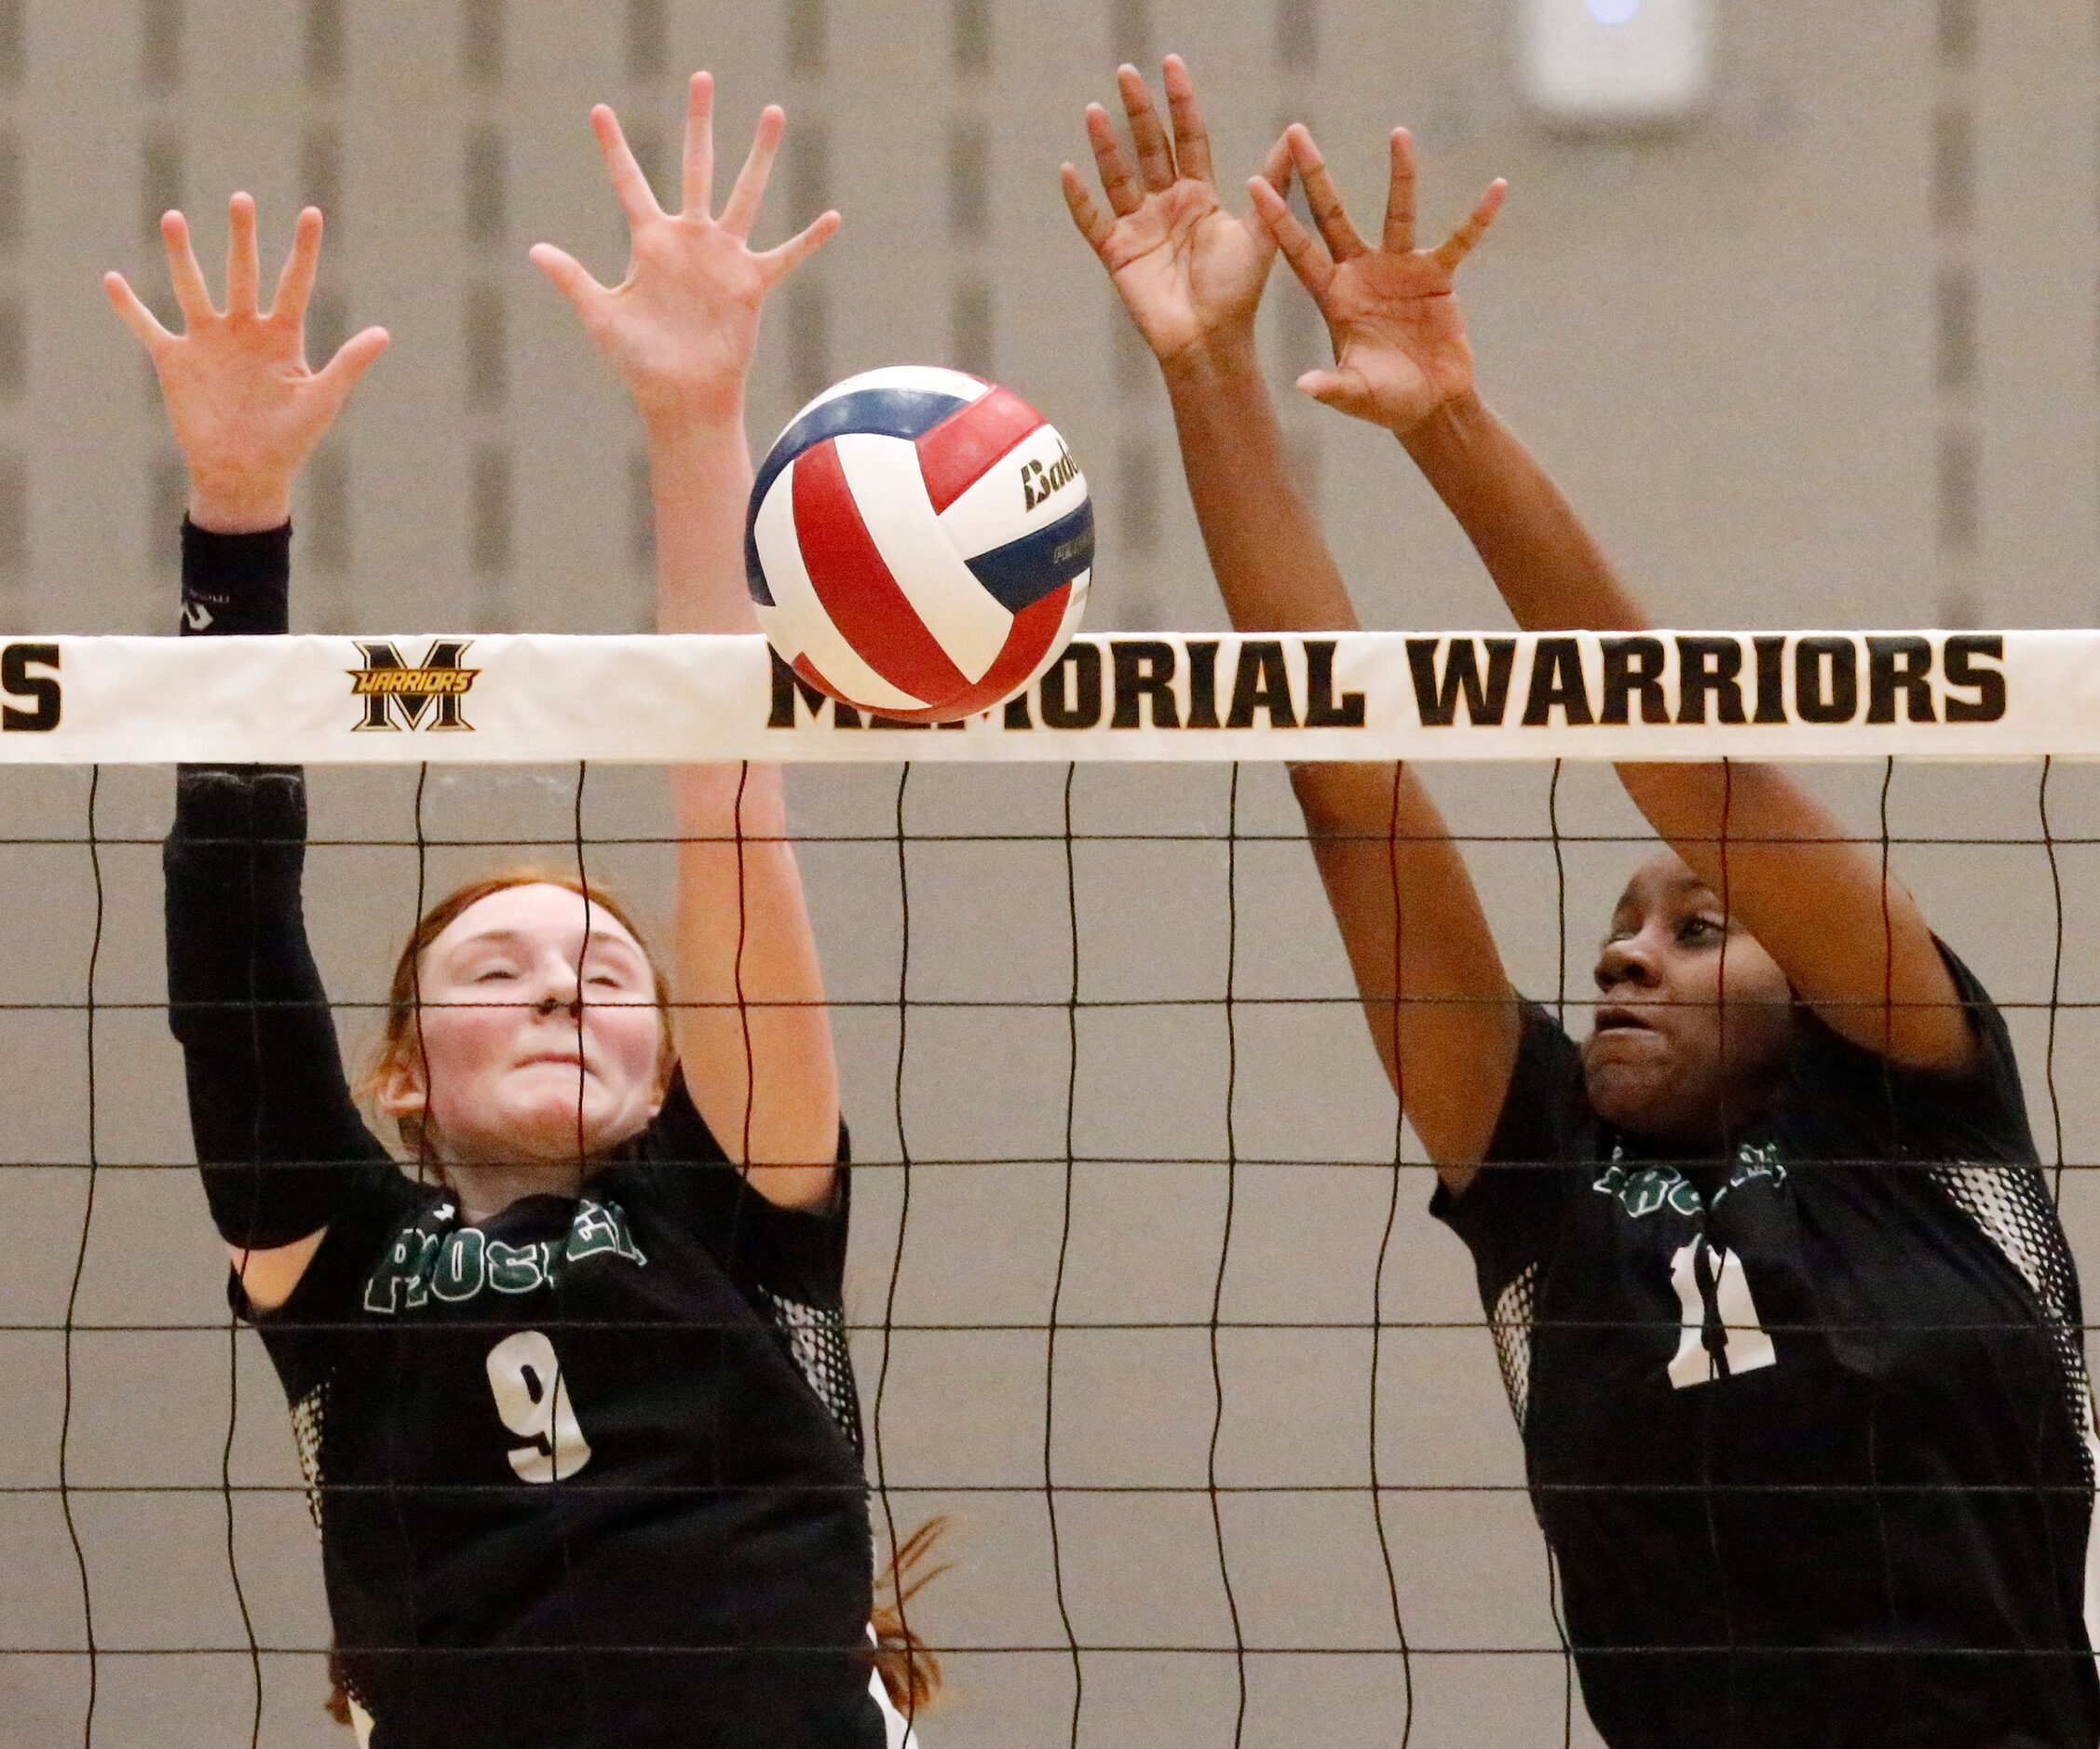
398, 696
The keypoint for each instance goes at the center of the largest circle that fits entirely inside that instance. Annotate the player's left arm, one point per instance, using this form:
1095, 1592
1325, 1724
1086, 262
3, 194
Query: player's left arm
1854, 944
752, 1031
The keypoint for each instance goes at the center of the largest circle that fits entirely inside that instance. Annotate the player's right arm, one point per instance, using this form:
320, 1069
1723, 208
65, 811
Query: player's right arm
1190, 275
278, 1140
1853, 942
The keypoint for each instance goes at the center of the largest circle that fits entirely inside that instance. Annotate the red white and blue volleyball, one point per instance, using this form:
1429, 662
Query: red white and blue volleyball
919, 544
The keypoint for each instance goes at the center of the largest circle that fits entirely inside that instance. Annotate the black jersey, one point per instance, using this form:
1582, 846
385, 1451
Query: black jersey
585, 1475
1811, 1452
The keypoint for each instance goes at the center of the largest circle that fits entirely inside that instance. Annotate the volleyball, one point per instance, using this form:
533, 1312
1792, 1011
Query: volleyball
919, 544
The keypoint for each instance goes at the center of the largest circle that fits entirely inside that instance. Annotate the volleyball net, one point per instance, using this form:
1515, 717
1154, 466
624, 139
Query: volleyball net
1143, 1297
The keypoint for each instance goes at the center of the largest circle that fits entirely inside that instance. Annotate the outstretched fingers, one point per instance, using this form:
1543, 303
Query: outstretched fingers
1399, 195
1275, 174
1192, 141
1321, 196
352, 358
570, 277
1459, 244
740, 213
184, 273
296, 284
1154, 161
1124, 191
784, 259
1341, 388
133, 313
1094, 225
1300, 248
244, 269
696, 193
631, 188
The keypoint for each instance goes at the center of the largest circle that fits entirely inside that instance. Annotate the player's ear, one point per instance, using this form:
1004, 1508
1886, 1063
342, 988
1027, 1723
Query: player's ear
399, 1091
667, 1071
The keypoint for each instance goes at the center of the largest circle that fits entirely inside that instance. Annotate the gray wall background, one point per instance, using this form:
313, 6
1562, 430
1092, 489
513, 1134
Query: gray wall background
1825, 358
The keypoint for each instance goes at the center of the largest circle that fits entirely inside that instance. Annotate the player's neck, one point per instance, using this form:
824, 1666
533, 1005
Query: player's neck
485, 1188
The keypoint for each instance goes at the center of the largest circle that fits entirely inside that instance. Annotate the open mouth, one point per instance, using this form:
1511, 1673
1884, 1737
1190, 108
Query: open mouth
1620, 1020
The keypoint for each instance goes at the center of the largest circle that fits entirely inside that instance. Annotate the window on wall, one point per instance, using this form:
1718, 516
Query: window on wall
1960, 512
1958, 32
1956, 353
484, 190
14, 349
1298, 34
645, 140
160, 185
641, 512
324, 532
970, 171
1953, 170
11, 192
1137, 475
321, 46
808, 29
1305, 465
1133, 357
1302, 336
649, 39
970, 326
969, 36
1130, 32
809, 338
490, 498
481, 48
487, 350
321, 175
328, 324
808, 151
168, 502
14, 516
160, 44
14, 44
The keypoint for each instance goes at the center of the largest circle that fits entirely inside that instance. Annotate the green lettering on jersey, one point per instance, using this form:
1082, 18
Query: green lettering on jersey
514, 1268
600, 1230
460, 1268
408, 1266
1651, 1189
459, 1264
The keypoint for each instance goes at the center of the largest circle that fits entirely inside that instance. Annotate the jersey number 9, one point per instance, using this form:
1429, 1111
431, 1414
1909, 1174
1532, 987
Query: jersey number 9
533, 1398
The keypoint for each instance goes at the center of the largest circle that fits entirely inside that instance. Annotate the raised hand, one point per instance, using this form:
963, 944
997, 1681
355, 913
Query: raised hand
246, 409
1401, 351
681, 326
1190, 272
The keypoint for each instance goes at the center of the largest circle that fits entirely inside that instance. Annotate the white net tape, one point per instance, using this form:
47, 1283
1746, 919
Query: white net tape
1452, 695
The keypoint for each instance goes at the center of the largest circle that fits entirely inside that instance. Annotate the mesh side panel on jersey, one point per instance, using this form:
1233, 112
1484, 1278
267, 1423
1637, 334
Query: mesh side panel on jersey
2011, 1208
1516, 1308
816, 1338
309, 1429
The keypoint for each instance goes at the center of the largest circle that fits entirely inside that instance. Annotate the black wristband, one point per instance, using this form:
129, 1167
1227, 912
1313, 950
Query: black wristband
236, 584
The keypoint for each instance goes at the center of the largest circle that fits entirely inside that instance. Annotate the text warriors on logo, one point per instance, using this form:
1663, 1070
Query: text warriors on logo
431, 696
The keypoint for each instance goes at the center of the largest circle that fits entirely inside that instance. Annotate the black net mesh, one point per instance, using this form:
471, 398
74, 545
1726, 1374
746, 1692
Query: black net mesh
1142, 1297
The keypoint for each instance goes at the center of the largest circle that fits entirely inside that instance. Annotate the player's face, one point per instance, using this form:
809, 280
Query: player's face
1692, 1018
541, 1036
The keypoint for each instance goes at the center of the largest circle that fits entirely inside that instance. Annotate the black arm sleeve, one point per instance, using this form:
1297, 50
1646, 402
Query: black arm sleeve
277, 1135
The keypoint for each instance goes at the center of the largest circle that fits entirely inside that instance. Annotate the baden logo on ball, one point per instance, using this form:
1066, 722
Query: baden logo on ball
919, 544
